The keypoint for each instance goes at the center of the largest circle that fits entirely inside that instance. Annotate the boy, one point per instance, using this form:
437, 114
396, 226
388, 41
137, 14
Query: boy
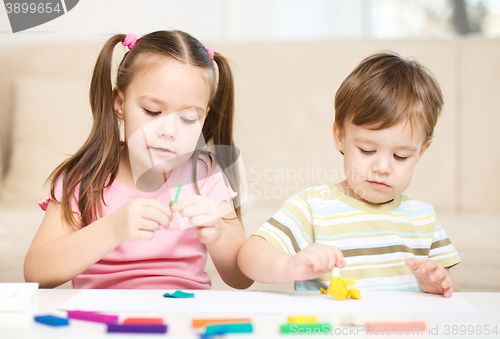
385, 113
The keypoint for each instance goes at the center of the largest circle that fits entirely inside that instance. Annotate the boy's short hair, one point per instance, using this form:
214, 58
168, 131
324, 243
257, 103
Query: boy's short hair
386, 89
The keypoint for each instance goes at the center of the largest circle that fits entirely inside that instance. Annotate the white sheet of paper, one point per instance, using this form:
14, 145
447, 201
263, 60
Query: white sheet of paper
153, 301
256, 302
17, 297
382, 302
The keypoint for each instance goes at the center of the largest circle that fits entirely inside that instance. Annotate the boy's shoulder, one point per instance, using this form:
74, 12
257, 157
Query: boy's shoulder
409, 199
322, 192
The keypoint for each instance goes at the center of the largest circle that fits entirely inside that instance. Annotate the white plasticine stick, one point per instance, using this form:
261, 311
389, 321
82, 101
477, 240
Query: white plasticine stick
335, 272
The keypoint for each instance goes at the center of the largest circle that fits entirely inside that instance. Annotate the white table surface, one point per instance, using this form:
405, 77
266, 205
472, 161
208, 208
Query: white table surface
22, 325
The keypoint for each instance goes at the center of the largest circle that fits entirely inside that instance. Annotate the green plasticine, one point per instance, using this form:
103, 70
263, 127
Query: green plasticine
179, 294
176, 195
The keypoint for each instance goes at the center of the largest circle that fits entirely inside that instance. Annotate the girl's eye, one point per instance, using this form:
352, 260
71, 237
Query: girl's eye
153, 114
398, 158
365, 151
188, 121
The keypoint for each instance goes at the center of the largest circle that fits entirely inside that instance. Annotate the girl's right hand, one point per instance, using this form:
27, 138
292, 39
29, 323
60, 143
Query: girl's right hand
314, 261
139, 219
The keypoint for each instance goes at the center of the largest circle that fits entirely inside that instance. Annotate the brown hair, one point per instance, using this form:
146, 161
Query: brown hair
386, 89
99, 157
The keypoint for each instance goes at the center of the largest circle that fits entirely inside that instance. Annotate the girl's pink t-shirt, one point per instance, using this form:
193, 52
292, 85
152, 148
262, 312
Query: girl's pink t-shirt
174, 258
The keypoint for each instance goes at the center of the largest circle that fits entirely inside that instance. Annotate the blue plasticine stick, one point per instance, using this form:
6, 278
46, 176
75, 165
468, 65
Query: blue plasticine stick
51, 320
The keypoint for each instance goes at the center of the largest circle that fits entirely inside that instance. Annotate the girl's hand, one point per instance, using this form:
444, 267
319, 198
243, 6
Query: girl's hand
433, 277
139, 219
203, 213
314, 261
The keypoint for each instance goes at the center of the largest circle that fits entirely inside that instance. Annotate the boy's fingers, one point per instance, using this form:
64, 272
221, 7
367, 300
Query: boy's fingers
339, 258
448, 292
413, 263
430, 265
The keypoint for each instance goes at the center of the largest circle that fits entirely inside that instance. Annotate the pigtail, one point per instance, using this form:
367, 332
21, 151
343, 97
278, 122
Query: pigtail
220, 130
95, 164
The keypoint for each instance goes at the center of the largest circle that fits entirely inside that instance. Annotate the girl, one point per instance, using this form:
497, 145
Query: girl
108, 223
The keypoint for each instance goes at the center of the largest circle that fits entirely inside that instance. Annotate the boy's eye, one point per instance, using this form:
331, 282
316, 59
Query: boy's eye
152, 113
365, 151
398, 158
188, 121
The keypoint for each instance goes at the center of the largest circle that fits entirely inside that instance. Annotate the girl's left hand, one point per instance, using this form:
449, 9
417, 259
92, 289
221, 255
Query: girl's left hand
202, 213
433, 277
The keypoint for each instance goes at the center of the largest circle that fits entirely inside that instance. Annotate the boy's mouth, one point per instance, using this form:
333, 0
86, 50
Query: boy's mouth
379, 184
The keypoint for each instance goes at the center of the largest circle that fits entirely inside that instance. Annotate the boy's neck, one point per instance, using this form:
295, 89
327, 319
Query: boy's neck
344, 187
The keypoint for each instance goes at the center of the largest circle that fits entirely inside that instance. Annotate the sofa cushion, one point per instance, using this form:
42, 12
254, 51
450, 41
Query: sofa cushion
52, 119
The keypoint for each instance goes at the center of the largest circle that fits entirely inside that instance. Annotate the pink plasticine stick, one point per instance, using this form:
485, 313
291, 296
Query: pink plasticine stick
93, 316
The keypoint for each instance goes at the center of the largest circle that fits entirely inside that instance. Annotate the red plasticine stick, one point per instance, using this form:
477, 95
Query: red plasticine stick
396, 327
143, 321
93, 316
197, 323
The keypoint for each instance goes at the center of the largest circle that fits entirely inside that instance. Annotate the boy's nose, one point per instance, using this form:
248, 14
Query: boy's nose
382, 165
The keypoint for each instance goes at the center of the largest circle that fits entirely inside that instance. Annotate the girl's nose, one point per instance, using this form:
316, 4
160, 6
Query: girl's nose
166, 127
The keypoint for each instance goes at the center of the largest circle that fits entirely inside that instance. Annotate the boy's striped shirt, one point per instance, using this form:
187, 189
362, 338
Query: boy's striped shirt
375, 240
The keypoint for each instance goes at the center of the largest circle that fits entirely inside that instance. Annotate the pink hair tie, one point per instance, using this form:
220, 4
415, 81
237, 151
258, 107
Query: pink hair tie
210, 52
130, 40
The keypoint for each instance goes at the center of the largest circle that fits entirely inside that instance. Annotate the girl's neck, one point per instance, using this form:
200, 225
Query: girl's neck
147, 180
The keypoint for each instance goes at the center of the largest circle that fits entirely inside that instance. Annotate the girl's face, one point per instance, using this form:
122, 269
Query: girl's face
379, 164
163, 110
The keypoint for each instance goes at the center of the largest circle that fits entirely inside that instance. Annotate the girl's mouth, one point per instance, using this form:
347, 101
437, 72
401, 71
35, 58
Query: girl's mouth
162, 151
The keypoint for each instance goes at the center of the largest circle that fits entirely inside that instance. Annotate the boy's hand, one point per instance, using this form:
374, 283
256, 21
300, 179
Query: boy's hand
314, 261
433, 277
203, 213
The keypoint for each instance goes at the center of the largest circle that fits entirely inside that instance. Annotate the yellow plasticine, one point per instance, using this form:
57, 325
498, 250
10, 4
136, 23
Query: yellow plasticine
338, 287
302, 319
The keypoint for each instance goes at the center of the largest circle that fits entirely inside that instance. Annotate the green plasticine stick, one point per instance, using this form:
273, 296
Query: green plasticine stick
176, 195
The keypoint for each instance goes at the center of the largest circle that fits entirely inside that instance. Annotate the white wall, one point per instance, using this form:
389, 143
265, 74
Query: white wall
209, 21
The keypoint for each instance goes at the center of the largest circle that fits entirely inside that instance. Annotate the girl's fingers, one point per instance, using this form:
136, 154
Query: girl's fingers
144, 235
149, 225
164, 208
151, 213
193, 200
194, 210
203, 220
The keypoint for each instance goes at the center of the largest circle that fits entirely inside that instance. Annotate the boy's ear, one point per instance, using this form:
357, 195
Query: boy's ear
338, 138
425, 146
118, 102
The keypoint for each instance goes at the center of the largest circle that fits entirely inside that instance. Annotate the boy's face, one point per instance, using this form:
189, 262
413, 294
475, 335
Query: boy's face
379, 163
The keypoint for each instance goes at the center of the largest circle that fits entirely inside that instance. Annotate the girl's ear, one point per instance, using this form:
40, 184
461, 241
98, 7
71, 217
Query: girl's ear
338, 138
118, 99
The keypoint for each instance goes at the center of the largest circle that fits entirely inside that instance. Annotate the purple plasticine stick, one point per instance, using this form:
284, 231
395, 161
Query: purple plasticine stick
93, 316
115, 328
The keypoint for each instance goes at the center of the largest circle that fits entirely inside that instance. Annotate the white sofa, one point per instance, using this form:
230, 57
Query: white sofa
284, 99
